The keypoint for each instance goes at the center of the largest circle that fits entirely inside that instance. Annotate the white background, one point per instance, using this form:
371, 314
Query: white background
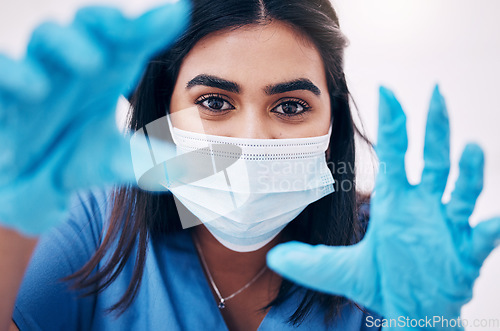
408, 46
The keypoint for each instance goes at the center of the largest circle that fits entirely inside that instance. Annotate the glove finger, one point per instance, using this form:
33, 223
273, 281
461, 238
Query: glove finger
64, 49
149, 33
437, 146
132, 42
392, 141
102, 155
485, 237
67, 56
94, 153
39, 189
333, 270
21, 81
68, 67
162, 26
467, 187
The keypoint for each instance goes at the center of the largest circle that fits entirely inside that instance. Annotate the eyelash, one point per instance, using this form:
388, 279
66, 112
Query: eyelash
302, 103
213, 96
219, 97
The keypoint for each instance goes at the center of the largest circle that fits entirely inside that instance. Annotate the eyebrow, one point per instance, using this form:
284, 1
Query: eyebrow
223, 84
212, 81
294, 85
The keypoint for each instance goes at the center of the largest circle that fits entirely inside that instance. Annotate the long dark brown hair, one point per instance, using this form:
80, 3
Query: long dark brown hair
138, 215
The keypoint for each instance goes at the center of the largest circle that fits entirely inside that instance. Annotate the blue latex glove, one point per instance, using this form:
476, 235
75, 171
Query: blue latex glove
419, 257
57, 109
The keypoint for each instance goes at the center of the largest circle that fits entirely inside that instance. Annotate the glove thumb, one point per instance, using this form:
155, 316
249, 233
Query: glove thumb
485, 237
329, 269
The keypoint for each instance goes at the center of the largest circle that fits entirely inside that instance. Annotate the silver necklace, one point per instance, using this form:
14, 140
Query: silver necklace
222, 301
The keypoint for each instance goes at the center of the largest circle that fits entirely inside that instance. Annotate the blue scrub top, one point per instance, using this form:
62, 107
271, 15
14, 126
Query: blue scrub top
174, 294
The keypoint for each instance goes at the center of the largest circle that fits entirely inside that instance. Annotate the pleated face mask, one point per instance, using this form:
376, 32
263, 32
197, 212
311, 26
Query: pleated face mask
267, 184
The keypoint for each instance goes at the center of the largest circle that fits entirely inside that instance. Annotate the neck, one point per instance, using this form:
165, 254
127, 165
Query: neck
231, 271
222, 260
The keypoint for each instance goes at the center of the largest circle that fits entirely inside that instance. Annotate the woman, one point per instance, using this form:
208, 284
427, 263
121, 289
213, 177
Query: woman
248, 71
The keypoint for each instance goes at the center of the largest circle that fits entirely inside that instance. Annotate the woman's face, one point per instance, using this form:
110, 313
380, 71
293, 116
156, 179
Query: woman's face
259, 81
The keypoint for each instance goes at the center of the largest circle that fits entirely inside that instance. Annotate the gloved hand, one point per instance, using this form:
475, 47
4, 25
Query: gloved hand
57, 109
419, 257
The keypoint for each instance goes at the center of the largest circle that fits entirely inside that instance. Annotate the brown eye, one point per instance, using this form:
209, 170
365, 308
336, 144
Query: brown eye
291, 108
214, 103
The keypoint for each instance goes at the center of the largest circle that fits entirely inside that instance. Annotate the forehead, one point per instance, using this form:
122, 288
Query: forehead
258, 53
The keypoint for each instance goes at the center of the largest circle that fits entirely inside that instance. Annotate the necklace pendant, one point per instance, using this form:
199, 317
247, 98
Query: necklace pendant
222, 304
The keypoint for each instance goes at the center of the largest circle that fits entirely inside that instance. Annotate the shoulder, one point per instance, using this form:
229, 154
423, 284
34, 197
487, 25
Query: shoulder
88, 217
91, 205
81, 232
44, 301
